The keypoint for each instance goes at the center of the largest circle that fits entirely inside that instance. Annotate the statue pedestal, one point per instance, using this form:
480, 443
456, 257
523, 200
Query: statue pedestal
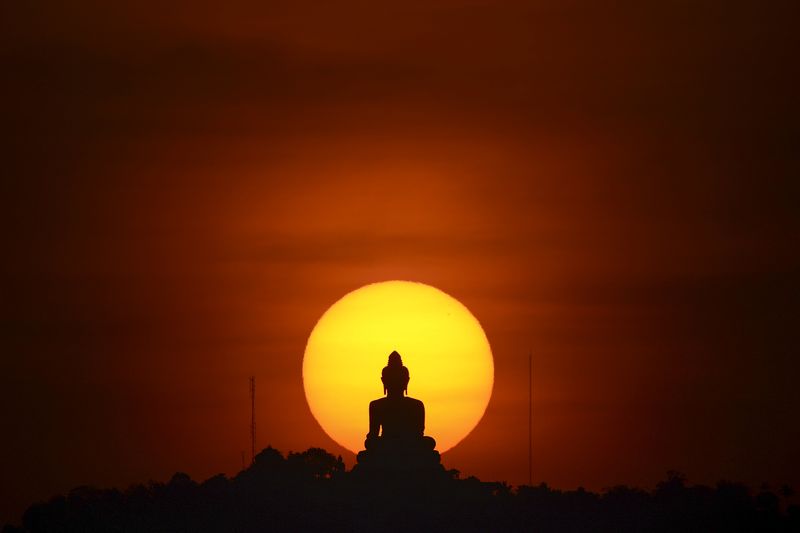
401, 457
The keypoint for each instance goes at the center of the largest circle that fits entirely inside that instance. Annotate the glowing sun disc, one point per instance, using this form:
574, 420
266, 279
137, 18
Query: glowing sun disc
441, 342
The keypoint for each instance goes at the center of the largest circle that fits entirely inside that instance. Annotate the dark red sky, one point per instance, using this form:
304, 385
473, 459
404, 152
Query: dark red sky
186, 189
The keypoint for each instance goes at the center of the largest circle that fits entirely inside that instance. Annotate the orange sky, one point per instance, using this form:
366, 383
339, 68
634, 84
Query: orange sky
186, 190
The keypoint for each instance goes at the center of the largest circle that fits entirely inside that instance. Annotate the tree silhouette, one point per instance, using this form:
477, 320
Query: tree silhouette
311, 490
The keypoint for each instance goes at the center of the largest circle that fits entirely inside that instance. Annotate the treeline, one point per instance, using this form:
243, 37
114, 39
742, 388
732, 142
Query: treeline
312, 491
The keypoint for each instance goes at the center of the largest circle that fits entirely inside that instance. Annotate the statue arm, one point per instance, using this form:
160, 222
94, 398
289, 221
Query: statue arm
421, 418
374, 422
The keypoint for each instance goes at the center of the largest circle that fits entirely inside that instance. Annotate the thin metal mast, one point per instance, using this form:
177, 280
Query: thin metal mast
530, 418
252, 419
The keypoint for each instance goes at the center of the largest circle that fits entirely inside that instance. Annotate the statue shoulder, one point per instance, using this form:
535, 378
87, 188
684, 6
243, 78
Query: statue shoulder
377, 403
414, 401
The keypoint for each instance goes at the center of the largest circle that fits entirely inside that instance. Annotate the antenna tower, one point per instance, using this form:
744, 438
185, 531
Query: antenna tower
530, 418
252, 419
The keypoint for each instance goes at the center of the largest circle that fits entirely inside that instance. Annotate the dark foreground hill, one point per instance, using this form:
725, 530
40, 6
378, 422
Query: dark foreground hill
312, 491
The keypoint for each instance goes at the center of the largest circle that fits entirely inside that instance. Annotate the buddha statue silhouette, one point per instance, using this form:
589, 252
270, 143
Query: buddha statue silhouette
397, 424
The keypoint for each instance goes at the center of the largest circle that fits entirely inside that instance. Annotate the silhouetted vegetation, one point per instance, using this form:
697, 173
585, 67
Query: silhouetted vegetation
312, 491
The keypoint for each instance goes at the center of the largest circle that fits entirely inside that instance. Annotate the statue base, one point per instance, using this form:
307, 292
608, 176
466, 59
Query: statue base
401, 456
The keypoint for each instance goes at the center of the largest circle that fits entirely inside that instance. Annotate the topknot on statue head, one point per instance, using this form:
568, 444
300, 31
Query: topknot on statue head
395, 376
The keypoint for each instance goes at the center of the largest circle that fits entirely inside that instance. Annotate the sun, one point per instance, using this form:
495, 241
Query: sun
441, 342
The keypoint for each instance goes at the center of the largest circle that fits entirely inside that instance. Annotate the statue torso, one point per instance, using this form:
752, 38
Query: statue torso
398, 417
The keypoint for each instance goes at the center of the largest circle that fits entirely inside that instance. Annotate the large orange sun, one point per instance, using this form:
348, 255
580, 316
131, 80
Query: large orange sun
441, 342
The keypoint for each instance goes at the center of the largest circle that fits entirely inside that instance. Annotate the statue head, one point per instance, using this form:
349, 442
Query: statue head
394, 375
